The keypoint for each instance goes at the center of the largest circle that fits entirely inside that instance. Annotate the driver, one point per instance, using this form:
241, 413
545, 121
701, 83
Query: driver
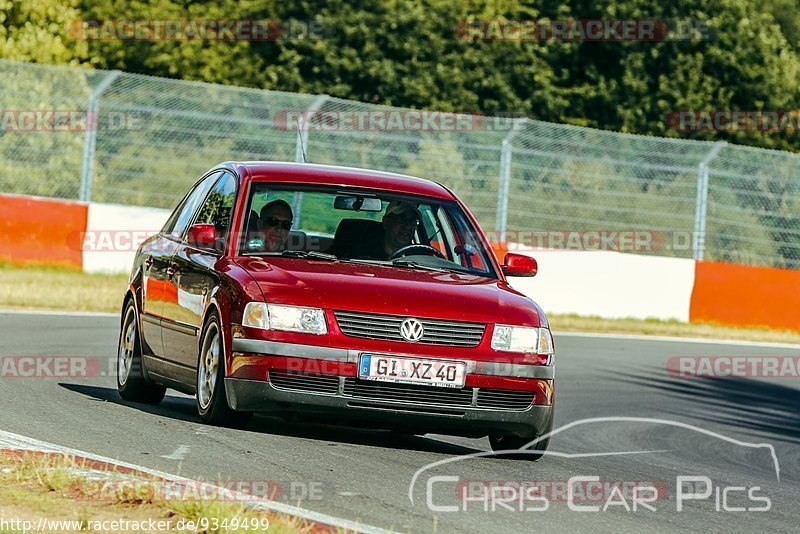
399, 225
274, 222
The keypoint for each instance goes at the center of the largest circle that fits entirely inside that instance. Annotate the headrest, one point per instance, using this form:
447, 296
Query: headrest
353, 236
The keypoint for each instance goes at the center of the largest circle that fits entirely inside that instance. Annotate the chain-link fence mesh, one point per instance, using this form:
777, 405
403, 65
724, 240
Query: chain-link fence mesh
157, 136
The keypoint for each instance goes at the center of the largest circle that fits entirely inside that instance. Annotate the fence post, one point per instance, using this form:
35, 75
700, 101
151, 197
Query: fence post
701, 204
503, 187
90, 138
301, 149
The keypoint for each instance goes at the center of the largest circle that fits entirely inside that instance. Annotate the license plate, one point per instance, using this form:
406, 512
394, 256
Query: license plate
440, 373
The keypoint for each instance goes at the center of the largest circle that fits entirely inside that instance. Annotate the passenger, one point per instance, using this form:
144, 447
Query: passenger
274, 223
399, 225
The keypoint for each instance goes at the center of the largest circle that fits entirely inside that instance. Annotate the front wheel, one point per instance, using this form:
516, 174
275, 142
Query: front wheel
513, 443
212, 404
131, 382
518, 448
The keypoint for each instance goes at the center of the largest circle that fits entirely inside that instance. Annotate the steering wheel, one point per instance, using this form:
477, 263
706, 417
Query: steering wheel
416, 249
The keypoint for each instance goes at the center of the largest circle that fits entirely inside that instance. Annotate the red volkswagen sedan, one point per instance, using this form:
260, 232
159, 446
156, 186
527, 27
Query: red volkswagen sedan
356, 295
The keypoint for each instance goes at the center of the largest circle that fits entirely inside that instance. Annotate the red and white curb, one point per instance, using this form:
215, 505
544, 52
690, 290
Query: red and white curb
14, 444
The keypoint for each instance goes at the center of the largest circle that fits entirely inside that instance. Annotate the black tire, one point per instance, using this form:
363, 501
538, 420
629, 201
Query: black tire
505, 443
532, 453
132, 383
212, 403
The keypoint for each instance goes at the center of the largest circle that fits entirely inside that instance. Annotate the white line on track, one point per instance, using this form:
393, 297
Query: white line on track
637, 337
59, 313
673, 339
12, 441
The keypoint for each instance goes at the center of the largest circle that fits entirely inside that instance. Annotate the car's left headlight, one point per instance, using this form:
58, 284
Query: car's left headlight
522, 339
286, 318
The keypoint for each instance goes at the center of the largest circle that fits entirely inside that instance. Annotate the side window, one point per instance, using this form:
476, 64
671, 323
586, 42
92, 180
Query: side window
427, 221
218, 206
180, 218
448, 236
469, 239
433, 230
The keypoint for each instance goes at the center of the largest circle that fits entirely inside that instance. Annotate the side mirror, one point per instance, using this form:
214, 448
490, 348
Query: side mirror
519, 265
202, 236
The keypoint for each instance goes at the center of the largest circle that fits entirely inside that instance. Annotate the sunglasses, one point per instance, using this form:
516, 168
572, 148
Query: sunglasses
274, 221
411, 221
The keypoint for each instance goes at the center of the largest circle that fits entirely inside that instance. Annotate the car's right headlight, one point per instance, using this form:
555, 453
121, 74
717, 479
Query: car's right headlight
287, 318
527, 339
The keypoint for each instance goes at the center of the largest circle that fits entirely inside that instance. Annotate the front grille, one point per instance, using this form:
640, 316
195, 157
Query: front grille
496, 399
431, 410
309, 383
407, 393
504, 399
387, 327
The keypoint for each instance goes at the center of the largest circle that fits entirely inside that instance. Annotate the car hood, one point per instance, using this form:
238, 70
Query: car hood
390, 290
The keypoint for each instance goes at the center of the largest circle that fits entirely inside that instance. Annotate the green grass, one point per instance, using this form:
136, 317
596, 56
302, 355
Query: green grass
45, 288
34, 486
35, 287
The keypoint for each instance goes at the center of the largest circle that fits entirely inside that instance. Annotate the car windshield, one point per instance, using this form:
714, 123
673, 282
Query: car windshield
363, 226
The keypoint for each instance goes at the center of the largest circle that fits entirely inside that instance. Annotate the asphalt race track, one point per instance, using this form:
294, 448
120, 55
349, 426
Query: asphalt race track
365, 475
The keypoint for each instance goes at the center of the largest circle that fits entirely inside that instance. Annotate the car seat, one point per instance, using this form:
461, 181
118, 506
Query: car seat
358, 238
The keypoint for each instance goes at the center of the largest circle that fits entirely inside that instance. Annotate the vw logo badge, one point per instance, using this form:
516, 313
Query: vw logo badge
411, 330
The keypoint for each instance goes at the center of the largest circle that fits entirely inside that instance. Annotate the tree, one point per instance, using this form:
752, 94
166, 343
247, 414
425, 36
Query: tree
39, 31
409, 53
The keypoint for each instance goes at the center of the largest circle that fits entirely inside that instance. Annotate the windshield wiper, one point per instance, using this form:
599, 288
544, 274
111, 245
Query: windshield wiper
417, 265
309, 254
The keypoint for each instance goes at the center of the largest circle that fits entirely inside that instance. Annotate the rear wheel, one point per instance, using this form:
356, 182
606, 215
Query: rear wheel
131, 382
212, 404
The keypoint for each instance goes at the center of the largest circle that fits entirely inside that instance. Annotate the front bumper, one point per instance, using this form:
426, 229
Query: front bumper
259, 396
250, 387
248, 353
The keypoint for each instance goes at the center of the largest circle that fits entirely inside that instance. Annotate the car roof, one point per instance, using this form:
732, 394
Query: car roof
312, 173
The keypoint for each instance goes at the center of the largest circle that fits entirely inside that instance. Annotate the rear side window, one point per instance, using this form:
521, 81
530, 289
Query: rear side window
182, 216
